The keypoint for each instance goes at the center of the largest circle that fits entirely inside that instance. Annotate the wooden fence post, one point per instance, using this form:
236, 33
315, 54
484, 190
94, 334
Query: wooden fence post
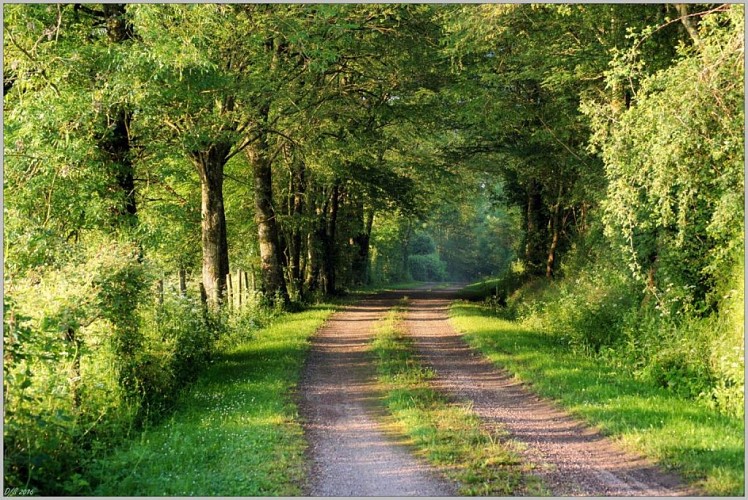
239, 287
182, 282
229, 291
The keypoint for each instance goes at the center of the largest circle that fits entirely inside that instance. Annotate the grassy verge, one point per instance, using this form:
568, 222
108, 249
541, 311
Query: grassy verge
235, 432
480, 290
446, 434
405, 285
706, 447
367, 289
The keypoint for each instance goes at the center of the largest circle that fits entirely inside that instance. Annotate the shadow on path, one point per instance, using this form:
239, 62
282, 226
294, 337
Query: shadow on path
569, 456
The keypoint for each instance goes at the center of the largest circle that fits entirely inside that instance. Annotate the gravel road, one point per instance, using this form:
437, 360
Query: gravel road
350, 455
569, 456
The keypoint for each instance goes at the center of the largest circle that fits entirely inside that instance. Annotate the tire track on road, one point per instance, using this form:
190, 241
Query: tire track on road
570, 457
349, 452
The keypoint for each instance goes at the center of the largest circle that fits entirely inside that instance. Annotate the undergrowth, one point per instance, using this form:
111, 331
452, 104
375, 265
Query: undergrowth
448, 435
659, 337
91, 359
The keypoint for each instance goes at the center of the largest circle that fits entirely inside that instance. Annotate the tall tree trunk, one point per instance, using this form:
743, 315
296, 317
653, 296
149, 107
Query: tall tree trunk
312, 278
298, 183
555, 222
115, 141
271, 271
688, 23
116, 144
405, 243
182, 282
315, 236
620, 94
361, 260
210, 166
118, 27
329, 248
534, 252
368, 228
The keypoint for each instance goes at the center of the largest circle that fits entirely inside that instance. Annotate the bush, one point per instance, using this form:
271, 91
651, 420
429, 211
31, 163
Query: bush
178, 342
427, 267
675, 199
696, 356
590, 310
422, 244
256, 312
73, 334
599, 310
61, 401
727, 359
673, 356
88, 359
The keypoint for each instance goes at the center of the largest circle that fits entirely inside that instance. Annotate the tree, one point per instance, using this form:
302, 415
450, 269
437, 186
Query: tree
674, 160
355, 98
199, 89
527, 70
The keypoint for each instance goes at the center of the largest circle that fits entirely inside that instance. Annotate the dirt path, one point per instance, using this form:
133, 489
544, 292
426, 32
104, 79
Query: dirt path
350, 454
570, 457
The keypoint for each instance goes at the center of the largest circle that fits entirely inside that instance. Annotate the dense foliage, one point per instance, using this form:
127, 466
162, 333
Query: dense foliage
177, 174
654, 278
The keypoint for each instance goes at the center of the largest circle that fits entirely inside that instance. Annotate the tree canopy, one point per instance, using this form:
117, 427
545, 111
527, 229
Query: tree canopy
313, 148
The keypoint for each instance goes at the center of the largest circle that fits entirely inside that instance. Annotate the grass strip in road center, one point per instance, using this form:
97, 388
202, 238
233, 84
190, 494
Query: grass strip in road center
447, 435
706, 447
235, 432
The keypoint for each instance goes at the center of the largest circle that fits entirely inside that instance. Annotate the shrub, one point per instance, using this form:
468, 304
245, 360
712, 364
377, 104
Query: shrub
178, 342
599, 310
674, 356
727, 359
422, 244
62, 397
88, 359
427, 267
241, 323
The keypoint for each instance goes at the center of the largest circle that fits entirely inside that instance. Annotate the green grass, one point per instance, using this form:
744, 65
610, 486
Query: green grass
480, 289
448, 435
235, 432
367, 289
707, 448
496, 288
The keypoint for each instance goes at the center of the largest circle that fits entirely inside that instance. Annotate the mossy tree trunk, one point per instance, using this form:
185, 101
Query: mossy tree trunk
210, 165
271, 271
